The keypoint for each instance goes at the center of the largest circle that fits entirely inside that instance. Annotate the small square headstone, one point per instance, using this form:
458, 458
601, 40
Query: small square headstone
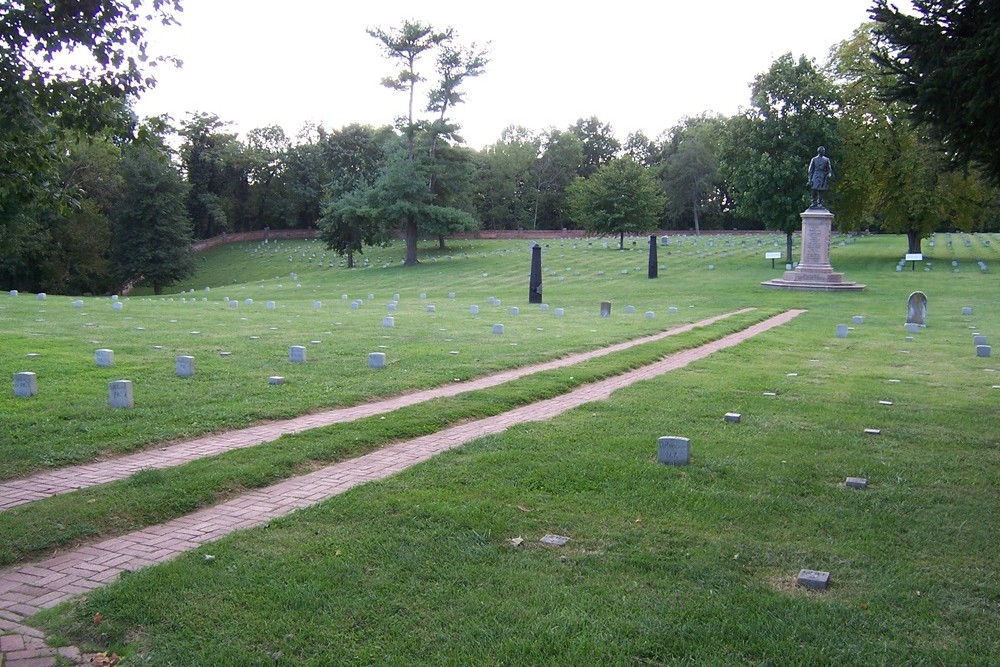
297, 354
912, 327
544, 307
376, 359
117, 305
856, 483
25, 384
451, 295
317, 304
733, 417
983, 350
120, 394
513, 310
841, 331
672, 310
673, 450
104, 357
276, 379
967, 310
388, 322
474, 310
558, 312
629, 310
650, 314
184, 366
498, 329
814, 579
247, 302
858, 319
979, 339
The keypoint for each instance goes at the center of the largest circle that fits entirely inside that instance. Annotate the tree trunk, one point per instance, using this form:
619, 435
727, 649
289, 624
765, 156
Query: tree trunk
621, 241
788, 242
913, 239
441, 245
350, 259
157, 289
411, 243
694, 210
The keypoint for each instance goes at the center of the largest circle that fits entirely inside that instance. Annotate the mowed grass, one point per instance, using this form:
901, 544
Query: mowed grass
665, 565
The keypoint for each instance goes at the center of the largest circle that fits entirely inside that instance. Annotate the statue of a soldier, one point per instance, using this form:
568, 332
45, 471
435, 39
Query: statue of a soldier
820, 173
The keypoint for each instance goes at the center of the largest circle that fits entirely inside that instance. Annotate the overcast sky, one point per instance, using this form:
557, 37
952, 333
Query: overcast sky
635, 64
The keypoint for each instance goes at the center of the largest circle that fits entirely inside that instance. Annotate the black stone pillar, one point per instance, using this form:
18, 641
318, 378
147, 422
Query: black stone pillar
653, 264
535, 284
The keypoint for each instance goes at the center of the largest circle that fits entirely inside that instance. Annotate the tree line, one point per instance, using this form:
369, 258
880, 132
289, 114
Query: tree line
90, 197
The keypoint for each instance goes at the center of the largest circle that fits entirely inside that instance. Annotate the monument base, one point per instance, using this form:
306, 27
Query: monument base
814, 272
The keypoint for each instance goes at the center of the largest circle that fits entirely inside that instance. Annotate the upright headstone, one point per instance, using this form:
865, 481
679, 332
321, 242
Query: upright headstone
388, 322
629, 310
25, 384
297, 354
376, 359
535, 281
317, 304
650, 314
117, 305
544, 307
605, 309
916, 309
498, 329
513, 310
78, 303
13, 292
40, 296
120, 394
104, 357
966, 310
270, 305
558, 312
673, 450
474, 310
653, 270
841, 331
979, 339
184, 366
431, 309
983, 350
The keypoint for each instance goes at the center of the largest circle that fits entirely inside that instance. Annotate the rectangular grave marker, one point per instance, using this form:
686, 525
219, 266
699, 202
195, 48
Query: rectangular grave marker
184, 366
25, 384
104, 357
814, 579
673, 450
297, 354
120, 394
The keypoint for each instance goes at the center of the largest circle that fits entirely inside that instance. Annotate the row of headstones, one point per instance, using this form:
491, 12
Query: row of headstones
983, 349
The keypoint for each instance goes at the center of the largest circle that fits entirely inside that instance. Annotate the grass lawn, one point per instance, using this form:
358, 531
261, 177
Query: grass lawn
665, 565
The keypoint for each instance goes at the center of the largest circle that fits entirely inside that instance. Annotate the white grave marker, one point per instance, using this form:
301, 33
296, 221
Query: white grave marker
25, 384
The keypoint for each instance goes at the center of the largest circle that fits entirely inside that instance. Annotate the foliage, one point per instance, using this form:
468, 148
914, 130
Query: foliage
66, 69
690, 171
767, 149
599, 144
622, 197
945, 61
217, 173
893, 175
152, 229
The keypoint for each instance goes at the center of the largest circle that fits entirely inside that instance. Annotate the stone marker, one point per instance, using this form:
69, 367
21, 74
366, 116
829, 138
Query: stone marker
233, 303
297, 354
120, 394
967, 310
733, 417
451, 295
672, 310
813, 579
650, 314
983, 350
317, 304
856, 483
78, 304
873, 431
431, 309
513, 310
605, 309
673, 450
388, 322
858, 319
979, 339
554, 540
912, 327
270, 305
25, 384
376, 360
544, 307
474, 310
498, 329
558, 312
908, 339
184, 366
13, 292
225, 354
276, 379
841, 331
629, 310
117, 305
423, 295
885, 402
247, 302
40, 296
355, 305
104, 357
916, 309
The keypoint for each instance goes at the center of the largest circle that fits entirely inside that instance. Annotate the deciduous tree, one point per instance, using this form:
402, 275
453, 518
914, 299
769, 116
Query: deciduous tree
622, 197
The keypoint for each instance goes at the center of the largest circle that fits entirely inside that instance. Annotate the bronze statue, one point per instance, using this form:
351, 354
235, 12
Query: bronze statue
820, 173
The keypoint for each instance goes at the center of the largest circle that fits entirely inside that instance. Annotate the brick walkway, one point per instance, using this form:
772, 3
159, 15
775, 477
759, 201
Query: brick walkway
56, 482
29, 588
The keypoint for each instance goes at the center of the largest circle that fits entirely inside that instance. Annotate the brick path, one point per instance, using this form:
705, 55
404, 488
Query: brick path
55, 482
29, 588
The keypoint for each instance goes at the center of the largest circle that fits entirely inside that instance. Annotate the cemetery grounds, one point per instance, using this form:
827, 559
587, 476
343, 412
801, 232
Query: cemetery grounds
442, 563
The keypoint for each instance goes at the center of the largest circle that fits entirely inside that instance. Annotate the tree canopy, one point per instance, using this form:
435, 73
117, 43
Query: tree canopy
945, 62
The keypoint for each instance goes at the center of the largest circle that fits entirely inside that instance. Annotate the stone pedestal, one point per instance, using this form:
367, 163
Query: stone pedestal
814, 271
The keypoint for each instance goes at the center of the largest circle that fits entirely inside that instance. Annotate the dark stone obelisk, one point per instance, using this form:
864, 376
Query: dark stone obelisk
535, 283
653, 264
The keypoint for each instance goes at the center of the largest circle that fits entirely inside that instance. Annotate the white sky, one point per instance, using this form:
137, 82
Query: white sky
635, 64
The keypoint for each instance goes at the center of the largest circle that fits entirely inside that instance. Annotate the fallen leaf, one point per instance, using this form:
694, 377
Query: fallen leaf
638, 520
515, 541
91, 501
337, 552
98, 618
105, 660
525, 509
